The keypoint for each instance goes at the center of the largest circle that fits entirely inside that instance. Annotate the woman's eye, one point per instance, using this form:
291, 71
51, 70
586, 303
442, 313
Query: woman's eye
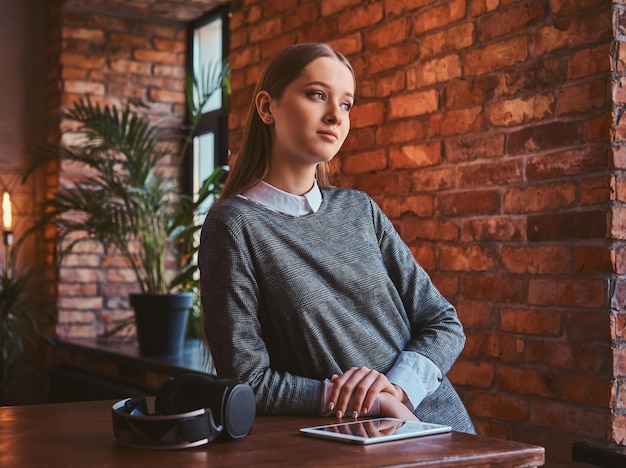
316, 95
346, 106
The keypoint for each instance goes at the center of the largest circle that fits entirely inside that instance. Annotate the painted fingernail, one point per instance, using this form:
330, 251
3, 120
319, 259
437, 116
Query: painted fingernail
331, 406
355, 414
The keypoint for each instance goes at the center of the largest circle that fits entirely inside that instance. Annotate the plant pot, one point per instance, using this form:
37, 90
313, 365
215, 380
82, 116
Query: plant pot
161, 321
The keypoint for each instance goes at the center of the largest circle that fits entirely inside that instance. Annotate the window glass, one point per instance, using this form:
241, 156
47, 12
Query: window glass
207, 54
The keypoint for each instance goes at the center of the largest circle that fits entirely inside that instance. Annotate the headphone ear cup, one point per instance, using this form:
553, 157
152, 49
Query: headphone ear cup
184, 393
235, 404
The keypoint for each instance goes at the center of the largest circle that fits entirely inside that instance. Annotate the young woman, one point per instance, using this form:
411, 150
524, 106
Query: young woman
308, 293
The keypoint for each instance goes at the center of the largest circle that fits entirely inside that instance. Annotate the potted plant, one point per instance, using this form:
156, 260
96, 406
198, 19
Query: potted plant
16, 322
127, 204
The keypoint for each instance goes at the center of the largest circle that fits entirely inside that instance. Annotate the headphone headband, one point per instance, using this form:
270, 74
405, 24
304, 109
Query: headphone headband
133, 426
190, 410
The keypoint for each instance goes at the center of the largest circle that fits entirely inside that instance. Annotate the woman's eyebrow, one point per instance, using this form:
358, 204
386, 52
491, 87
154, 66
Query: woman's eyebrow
327, 86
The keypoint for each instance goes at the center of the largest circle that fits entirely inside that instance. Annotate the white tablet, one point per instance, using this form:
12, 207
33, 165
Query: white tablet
373, 431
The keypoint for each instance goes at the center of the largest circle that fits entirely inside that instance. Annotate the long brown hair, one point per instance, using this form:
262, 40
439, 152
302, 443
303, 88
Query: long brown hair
252, 162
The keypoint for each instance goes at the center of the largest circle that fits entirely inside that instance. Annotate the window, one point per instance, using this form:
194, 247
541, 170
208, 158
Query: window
208, 47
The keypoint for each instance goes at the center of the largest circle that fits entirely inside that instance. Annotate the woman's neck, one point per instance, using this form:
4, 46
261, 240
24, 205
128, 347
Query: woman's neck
295, 182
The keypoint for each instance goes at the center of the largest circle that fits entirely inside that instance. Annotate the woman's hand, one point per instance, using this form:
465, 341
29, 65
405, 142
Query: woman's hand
355, 391
394, 408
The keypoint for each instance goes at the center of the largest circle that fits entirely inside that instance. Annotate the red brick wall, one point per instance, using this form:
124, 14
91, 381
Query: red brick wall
486, 132
112, 60
483, 129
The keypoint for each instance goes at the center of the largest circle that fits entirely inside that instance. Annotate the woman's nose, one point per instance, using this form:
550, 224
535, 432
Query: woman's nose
334, 115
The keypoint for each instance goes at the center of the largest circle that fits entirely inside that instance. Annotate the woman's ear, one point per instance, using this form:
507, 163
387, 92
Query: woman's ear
263, 102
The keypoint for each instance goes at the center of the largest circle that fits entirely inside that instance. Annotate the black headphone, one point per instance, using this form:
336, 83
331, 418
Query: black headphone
189, 410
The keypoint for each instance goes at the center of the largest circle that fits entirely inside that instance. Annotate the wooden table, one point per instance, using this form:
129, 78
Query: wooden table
81, 434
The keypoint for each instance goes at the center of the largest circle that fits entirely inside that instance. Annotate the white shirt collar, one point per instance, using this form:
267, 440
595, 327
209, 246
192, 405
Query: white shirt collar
284, 202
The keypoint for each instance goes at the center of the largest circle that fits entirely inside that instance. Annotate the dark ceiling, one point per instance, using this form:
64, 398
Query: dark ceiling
170, 10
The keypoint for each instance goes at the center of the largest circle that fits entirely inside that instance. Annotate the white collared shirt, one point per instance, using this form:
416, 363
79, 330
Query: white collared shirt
284, 202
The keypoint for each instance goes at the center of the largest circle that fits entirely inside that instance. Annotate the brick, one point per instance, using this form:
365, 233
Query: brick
618, 295
495, 288
400, 132
521, 110
415, 156
598, 190
382, 85
429, 180
169, 45
348, 45
360, 17
161, 95
530, 322
84, 34
583, 97
392, 58
387, 183
510, 20
153, 56
498, 172
454, 38
360, 139
82, 61
498, 406
589, 61
470, 92
364, 115
403, 6
599, 128
566, 292
330, 8
390, 32
472, 147
585, 160
455, 122
552, 260
83, 87
413, 104
434, 71
536, 198
412, 228
481, 345
541, 137
424, 256
475, 315
80, 303
567, 226
566, 356
586, 390
573, 418
568, 7
470, 258
479, 7
468, 202
496, 55
474, 374
419, 205
130, 66
439, 16
586, 325
494, 228
528, 77
529, 381
370, 161
129, 40
574, 32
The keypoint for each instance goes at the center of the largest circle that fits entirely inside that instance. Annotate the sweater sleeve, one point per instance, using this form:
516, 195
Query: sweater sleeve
436, 331
230, 304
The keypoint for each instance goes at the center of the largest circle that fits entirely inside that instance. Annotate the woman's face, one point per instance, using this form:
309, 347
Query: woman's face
311, 119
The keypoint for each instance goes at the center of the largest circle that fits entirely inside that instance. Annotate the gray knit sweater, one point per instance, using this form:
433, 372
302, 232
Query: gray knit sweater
289, 301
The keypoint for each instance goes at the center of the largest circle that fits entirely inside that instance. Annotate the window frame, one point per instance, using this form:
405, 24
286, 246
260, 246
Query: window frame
215, 121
